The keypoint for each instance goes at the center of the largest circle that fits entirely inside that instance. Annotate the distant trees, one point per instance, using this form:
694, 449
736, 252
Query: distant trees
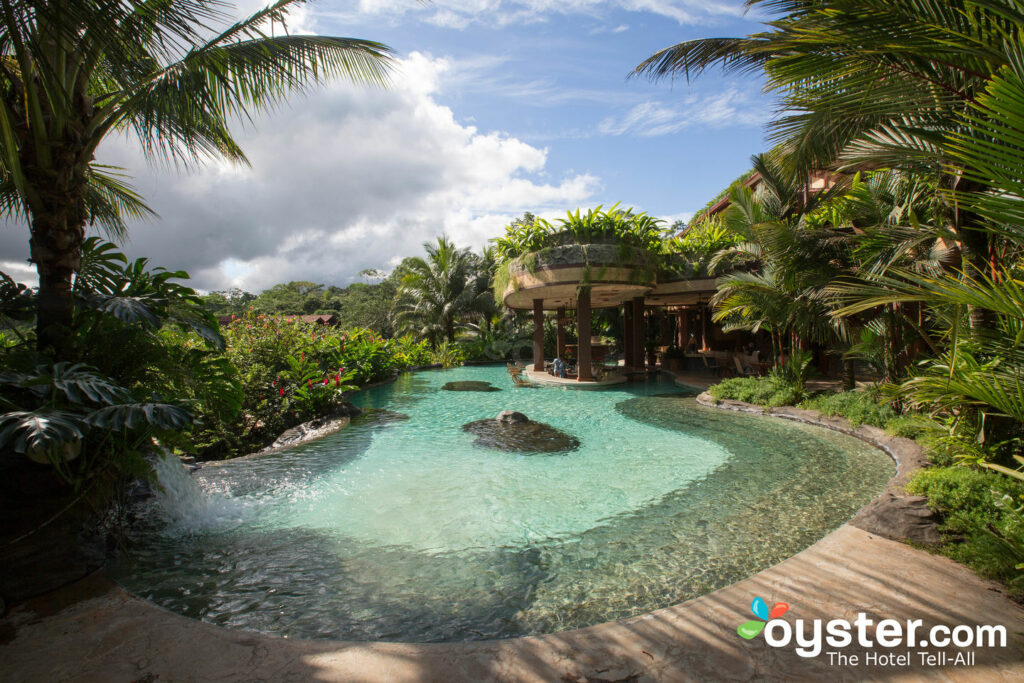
358, 305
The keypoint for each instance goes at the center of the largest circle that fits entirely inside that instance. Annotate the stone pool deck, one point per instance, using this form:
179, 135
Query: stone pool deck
95, 631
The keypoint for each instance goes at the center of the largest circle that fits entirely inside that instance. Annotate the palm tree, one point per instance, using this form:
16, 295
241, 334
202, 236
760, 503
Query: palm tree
173, 75
440, 292
782, 263
872, 84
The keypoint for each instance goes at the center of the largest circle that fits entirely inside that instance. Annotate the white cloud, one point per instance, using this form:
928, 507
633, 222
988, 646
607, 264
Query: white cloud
344, 179
651, 118
459, 14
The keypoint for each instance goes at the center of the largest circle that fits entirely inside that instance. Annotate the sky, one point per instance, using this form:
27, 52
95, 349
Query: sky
495, 108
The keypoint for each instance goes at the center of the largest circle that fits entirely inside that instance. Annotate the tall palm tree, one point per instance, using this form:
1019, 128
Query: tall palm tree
872, 83
782, 264
173, 74
440, 292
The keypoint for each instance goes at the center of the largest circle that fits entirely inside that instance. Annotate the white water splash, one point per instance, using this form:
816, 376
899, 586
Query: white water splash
184, 505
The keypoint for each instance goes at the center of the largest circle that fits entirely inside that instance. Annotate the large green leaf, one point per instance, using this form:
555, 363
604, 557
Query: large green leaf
44, 430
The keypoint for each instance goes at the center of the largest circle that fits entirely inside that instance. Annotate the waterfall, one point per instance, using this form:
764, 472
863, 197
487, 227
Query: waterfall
184, 504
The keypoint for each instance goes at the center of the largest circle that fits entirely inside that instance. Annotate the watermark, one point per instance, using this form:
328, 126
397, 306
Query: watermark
917, 643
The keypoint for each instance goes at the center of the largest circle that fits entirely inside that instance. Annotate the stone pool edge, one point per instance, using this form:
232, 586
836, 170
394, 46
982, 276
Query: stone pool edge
105, 632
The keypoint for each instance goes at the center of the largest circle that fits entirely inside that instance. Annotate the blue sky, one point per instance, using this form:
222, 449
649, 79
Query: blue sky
560, 81
496, 107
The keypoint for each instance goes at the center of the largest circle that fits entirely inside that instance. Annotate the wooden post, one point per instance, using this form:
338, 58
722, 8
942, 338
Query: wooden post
682, 333
627, 334
665, 327
638, 333
584, 369
705, 314
538, 335
560, 346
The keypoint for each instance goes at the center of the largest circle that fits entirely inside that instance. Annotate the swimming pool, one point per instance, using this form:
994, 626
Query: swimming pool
401, 527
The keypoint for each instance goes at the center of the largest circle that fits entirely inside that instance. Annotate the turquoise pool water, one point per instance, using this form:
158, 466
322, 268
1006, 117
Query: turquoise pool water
400, 527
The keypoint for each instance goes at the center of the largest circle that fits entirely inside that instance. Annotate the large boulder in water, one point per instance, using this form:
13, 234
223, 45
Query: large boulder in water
469, 386
514, 432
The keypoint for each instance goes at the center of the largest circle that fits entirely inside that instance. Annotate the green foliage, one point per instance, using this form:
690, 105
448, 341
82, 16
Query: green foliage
859, 407
771, 392
691, 253
623, 226
439, 295
913, 426
796, 370
981, 514
449, 355
292, 372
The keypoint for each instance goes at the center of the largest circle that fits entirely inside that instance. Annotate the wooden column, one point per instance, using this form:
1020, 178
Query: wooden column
682, 334
538, 335
560, 346
584, 368
705, 315
638, 333
665, 327
627, 334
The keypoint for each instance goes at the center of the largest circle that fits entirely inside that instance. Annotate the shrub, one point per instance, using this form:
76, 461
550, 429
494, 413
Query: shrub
980, 514
293, 371
449, 355
859, 407
766, 391
913, 426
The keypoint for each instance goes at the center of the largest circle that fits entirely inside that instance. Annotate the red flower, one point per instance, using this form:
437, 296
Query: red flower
326, 381
310, 382
282, 391
337, 380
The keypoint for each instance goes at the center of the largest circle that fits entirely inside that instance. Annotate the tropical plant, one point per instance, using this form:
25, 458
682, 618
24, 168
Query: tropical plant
172, 76
441, 293
58, 406
872, 83
624, 226
781, 265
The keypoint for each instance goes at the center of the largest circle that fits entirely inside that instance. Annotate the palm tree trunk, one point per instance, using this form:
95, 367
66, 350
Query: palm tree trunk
849, 374
58, 230
974, 250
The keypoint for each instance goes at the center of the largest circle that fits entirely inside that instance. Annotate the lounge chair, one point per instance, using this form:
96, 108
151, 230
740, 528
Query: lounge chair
743, 370
519, 381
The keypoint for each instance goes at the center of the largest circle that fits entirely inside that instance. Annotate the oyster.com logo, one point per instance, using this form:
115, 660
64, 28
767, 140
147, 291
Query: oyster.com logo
906, 641
750, 629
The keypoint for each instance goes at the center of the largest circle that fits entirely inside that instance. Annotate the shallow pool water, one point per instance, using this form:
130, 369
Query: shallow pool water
400, 527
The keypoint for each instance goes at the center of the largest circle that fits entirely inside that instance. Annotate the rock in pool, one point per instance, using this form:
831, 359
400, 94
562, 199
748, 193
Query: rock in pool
514, 432
469, 386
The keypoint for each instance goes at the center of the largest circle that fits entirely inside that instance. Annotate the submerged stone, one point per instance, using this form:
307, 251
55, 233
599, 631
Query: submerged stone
514, 432
469, 386
378, 416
